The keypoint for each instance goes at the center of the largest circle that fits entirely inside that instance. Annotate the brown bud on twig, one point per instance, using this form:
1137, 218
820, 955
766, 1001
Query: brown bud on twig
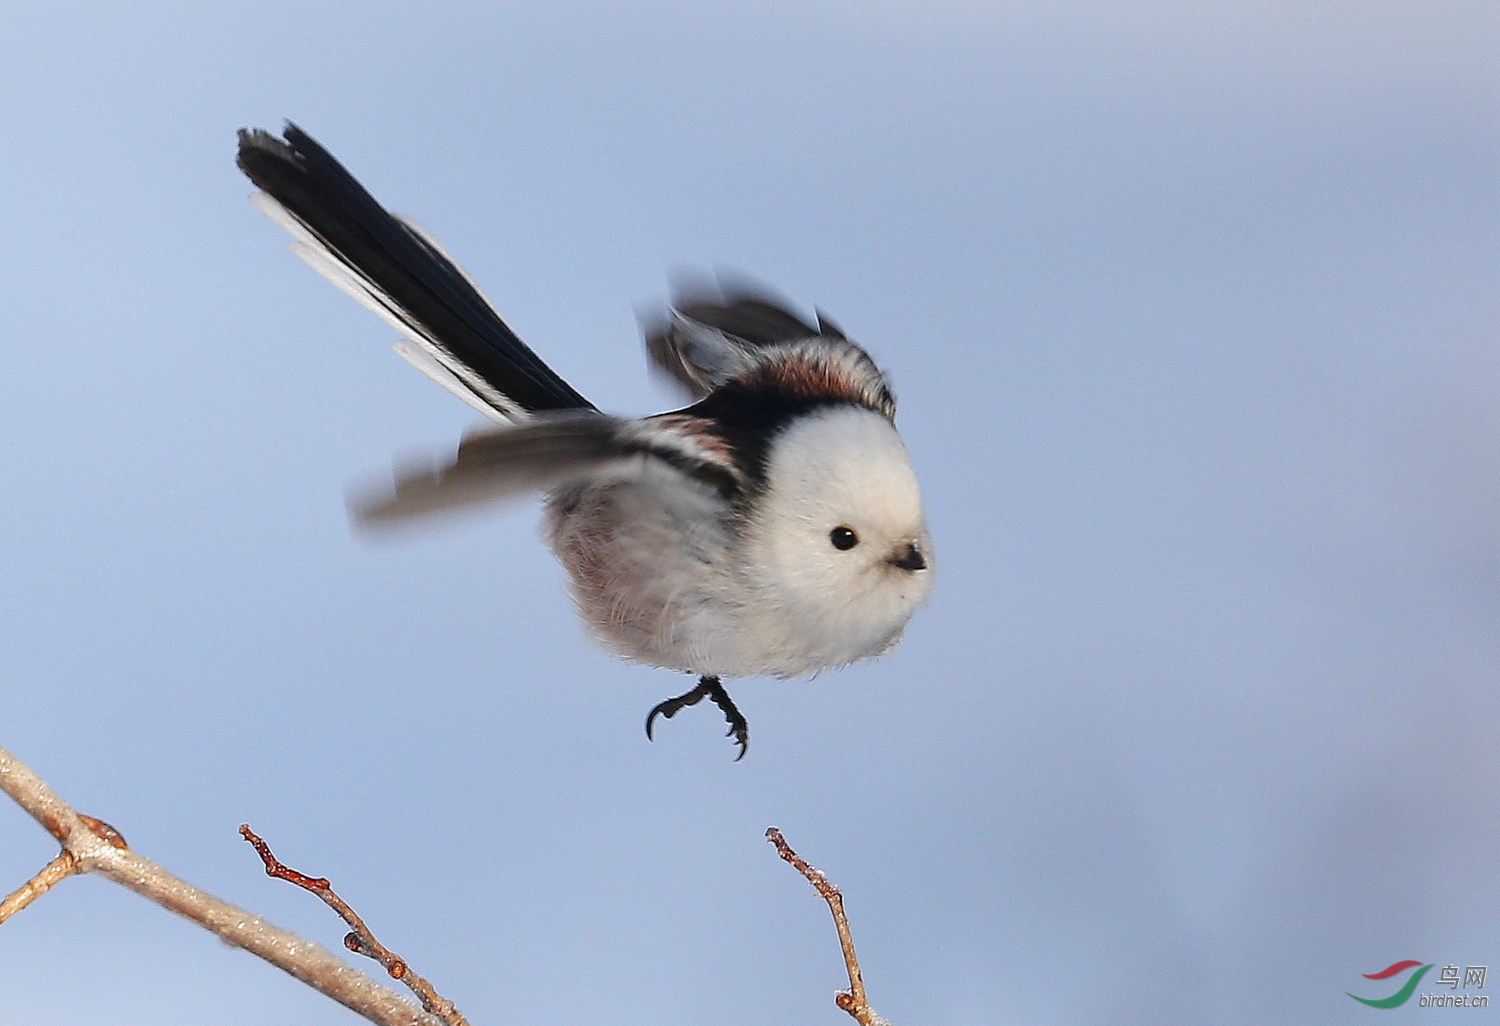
90, 845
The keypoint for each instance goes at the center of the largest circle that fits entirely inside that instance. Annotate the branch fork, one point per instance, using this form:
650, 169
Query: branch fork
90, 845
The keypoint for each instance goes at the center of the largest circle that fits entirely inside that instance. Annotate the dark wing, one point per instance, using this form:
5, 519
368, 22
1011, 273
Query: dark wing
390, 265
706, 339
552, 451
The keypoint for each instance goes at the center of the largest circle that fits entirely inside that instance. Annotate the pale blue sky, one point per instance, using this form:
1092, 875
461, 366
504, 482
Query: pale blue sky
1192, 314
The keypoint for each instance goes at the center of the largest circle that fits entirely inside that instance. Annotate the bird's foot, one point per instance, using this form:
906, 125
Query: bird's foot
708, 687
672, 706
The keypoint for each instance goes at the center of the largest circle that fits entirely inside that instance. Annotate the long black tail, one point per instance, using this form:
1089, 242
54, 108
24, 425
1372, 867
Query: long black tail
394, 268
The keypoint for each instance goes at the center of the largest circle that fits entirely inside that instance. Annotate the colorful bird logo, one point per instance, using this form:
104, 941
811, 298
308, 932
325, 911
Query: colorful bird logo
1401, 996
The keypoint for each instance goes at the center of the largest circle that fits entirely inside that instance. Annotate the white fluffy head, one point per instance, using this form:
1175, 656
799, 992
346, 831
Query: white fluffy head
838, 546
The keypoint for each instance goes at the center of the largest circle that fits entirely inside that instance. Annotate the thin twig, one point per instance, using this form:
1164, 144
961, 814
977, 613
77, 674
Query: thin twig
852, 1000
60, 868
360, 939
96, 847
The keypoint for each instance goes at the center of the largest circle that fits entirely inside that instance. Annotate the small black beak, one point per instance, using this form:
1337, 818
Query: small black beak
909, 558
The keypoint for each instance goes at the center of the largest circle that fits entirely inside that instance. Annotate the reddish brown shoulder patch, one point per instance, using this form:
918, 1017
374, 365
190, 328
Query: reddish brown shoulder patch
702, 432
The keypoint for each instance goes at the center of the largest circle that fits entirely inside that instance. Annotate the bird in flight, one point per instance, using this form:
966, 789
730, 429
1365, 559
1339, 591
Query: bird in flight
772, 527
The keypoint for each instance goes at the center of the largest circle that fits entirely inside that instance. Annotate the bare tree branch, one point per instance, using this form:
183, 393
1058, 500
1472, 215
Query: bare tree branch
360, 939
90, 845
96, 847
59, 869
852, 1000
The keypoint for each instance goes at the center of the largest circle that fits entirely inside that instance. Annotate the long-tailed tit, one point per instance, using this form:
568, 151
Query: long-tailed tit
774, 526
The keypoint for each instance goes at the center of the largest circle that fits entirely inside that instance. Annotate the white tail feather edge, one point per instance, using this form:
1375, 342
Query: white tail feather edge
429, 361
414, 347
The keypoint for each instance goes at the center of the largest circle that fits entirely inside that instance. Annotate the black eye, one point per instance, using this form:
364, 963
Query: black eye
843, 538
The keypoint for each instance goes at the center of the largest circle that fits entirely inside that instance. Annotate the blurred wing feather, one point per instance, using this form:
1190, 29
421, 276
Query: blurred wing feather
706, 340
546, 453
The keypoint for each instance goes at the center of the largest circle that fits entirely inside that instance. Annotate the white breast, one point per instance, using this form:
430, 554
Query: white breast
665, 572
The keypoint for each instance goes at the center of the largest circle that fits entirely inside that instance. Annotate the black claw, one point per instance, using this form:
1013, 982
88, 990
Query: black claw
669, 708
739, 728
708, 687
